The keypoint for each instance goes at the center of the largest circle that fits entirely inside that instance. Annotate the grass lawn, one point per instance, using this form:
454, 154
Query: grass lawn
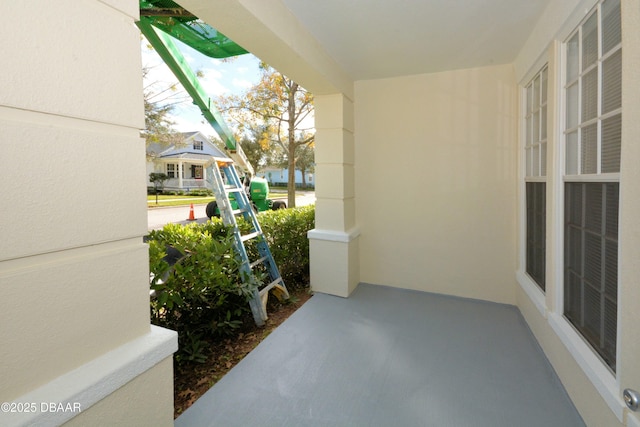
165, 200
170, 200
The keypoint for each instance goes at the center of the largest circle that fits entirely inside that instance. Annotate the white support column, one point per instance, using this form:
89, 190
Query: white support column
180, 174
334, 241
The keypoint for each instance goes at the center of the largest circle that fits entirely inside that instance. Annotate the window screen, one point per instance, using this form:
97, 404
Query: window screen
536, 212
591, 263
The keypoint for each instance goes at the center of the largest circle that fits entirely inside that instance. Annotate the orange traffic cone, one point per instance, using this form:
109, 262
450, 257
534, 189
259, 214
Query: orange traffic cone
192, 217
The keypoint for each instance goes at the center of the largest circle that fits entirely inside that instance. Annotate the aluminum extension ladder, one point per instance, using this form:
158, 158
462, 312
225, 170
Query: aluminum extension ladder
225, 180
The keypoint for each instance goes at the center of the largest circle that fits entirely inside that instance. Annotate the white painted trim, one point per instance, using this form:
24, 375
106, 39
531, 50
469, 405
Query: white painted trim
533, 291
602, 177
557, 169
97, 379
600, 376
333, 236
522, 189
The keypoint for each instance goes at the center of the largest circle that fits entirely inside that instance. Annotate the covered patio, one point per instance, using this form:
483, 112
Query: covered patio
388, 356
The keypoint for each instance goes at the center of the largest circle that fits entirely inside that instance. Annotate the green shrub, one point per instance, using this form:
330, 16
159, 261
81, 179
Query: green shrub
202, 295
201, 192
286, 233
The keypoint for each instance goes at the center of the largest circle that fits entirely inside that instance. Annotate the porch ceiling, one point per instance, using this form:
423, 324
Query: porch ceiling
377, 39
388, 357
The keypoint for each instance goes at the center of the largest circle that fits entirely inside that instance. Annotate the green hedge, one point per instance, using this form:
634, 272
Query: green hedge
202, 295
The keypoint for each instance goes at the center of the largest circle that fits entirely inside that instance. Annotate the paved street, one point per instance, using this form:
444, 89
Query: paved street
158, 217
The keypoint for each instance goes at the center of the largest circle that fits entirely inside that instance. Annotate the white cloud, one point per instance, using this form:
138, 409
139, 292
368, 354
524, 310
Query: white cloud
211, 82
241, 83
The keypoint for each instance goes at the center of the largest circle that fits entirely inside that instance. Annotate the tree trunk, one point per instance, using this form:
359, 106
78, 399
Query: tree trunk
291, 183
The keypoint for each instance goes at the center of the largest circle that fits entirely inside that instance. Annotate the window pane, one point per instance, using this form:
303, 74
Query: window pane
610, 329
612, 82
593, 215
591, 263
590, 95
592, 314
589, 149
528, 161
573, 297
612, 200
529, 98
528, 131
543, 86
572, 154
536, 218
573, 46
536, 93
536, 127
611, 137
535, 164
543, 159
572, 106
590, 41
543, 123
611, 269
610, 25
574, 212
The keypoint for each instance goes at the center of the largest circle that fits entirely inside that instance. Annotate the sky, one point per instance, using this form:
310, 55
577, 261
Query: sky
219, 78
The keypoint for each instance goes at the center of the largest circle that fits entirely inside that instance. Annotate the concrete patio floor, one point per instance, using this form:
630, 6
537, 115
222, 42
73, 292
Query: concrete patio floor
391, 357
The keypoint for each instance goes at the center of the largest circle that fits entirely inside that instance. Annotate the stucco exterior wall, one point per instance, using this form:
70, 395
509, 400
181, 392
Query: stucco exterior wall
73, 267
435, 182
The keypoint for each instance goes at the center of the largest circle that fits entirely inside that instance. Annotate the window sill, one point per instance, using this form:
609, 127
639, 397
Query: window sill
600, 376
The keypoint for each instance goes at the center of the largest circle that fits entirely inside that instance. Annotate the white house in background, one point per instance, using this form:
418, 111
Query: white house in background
281, 176
184, 162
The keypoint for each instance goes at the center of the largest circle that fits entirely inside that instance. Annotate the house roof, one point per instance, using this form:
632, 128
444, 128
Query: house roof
188, 156
185, 150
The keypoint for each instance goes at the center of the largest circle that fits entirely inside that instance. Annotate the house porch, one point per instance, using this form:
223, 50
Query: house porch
387, 356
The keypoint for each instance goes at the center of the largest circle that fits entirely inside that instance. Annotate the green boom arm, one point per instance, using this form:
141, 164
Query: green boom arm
171, 55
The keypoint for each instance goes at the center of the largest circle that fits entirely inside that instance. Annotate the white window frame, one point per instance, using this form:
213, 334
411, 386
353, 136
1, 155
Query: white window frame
175, 167
535, 171
528, 285
604, 380
198, 145
172, 170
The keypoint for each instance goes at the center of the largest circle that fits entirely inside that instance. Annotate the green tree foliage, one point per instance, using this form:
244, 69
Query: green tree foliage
158, 179
256, 146
281, 106
306, 162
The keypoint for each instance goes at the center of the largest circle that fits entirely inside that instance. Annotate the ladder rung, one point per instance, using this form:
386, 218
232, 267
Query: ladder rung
238, 211
250, 236
258, 261
270, 286
234, 190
